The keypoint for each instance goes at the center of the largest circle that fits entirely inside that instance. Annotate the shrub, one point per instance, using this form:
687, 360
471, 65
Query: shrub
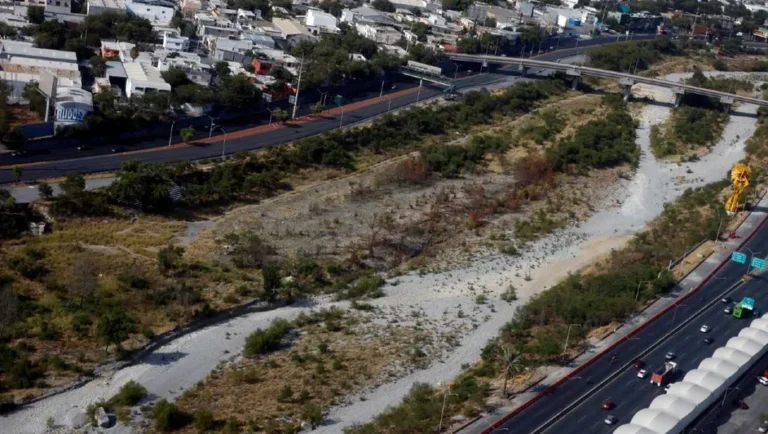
203, 421
510, 294
312, 414
263, 341
366, 287
167, 416
285, 394
129, 395
169, 258
481, 299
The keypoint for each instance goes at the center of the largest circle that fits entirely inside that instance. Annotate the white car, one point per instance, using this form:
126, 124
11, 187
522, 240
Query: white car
611, 419
642, 373
763, 381
704, 328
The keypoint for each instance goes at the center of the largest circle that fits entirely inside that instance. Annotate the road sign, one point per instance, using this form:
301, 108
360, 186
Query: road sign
739, 257
758, 263
292, 99
337, 99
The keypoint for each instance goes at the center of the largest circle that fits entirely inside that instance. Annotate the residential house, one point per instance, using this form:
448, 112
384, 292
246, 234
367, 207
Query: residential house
100, 6
318, 21
230, 50
158, 12
292, 31
173, 41
143, 78
379, 34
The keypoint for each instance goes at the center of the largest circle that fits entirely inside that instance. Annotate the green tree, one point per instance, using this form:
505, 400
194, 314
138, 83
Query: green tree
280, 115
237, 92
17, 171
204, 421
312, 414
36, 14
114, 327
222, 69
98, 65
270, 274
45, 190
37, 101
187, 134
167, 416
318, 107
193, 94
147, 184
134, 53
457, 5
383, 5
175, 77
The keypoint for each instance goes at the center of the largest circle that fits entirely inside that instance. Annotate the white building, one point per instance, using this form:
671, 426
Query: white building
292, 31
410, 4
16, 49
58, 6
436, 20
143, 78
324, 22
100, 6
174, 42
158, 12
379, 34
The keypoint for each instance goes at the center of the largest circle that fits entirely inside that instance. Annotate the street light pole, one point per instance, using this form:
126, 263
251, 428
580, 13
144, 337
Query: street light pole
418, 94
455, 72
224, 144
445, 397
381, 91
341, 120
298, 88
568, 335
749, 264
170, 136
270, 115
210, 131
726, 394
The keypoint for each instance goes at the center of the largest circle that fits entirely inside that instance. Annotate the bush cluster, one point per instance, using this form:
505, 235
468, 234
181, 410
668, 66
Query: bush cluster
263, 341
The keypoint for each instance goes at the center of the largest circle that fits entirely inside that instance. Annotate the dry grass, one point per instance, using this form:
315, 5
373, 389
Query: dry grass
320, 367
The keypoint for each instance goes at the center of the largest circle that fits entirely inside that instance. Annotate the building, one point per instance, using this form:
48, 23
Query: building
197, 71
366, 15
212, 25
18, 49
410, 4
143, 78
318, 21
259, 40
190, 7
292, 31
230, 50
100, 6
379, 34
58, 6
175, 42
71, 106
158, 12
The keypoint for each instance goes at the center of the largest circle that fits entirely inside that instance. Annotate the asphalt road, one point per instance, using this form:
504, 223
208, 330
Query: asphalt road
61, 161
628, 392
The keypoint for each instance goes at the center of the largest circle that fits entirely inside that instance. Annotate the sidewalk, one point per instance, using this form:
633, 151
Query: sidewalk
696, 277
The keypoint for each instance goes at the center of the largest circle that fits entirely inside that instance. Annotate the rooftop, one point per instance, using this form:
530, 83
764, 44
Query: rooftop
113, 4
143, 73
290, 27
73, 94
26, 49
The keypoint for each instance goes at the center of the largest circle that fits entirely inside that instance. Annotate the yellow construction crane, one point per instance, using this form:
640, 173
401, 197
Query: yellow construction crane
739, 182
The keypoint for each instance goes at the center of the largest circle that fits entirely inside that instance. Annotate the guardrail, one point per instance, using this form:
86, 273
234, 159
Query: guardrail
575, 372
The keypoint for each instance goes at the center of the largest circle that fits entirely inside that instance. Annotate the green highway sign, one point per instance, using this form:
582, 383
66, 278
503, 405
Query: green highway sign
758, 263
337, 100
739, 257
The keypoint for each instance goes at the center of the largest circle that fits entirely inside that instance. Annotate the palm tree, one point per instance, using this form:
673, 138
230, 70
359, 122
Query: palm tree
512, 362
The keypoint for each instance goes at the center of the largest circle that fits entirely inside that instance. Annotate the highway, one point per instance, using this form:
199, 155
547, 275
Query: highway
62, 161
628, 392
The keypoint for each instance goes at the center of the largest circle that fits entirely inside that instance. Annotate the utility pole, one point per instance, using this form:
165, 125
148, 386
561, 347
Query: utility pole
298, 87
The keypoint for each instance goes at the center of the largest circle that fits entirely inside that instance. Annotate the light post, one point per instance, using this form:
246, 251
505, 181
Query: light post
674, 315
341, 120
381, 91
726, 394
389, 104
298, 88
322, 96
719, 226
224, 143
568, 335
270, 115
210, 131
456, 72
637, 293
442, 411
418, 94
170, 136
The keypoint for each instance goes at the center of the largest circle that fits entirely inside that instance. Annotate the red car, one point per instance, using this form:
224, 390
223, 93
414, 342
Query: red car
608, 405
741, 404
639, 364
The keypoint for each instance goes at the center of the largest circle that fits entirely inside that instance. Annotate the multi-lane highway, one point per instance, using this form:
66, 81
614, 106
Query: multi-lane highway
65, 160
555, 412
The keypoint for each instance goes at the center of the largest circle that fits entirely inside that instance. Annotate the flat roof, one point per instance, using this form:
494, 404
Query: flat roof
73, 94
290, 27
113, 4
26, 49
115, 69
43, 63
143, 74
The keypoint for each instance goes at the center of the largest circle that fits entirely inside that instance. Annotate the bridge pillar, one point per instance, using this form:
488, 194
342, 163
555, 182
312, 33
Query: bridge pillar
523, 69
575, 83
727, 102
627, 83
679, 92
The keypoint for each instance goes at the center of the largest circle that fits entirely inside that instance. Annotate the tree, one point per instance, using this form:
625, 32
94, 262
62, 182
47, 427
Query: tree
84, 281
383, 5
280, 115
175, 77
187, 134
36, 14
17, 171
457, 5
318, 107
134, 52
8, 308
247, 249
420, 30
146, 184
37, 101
237, 92
222, 69
490, 22
114, 327
73, 184
193, 94
510, 360
98, 65
169, 258
270, 275
45, 190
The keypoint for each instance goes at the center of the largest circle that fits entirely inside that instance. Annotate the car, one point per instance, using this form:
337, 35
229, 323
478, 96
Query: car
639, 364
118, 149
670, 355
611, 419
741, 404
728, 310
704, 328
708, 340
18, 153
642, 373
608, 405
762, 428
451, 97
726, 299
82, 148
763, 381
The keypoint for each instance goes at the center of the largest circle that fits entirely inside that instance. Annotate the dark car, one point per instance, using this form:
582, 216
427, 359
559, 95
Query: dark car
608, 405
639, 364
18, 153
741, 404
118, 150
708, 340
82, 148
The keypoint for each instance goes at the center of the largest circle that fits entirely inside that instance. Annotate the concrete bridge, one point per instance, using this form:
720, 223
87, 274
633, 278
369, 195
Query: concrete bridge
627, 80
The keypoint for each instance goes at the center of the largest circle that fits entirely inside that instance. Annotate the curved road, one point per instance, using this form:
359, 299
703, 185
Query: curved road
62, 161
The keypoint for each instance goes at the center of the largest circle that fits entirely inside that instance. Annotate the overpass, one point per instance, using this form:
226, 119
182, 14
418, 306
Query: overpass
627, 80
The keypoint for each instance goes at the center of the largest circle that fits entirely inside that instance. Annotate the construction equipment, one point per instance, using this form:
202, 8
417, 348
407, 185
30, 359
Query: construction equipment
745, 306
663, 373
739, 182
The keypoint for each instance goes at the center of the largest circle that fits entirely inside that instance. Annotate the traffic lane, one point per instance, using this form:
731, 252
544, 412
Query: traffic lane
727, 419
630, 394
629, 350
548, 406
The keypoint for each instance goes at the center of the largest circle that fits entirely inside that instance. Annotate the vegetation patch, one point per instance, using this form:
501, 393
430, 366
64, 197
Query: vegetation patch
687, 131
